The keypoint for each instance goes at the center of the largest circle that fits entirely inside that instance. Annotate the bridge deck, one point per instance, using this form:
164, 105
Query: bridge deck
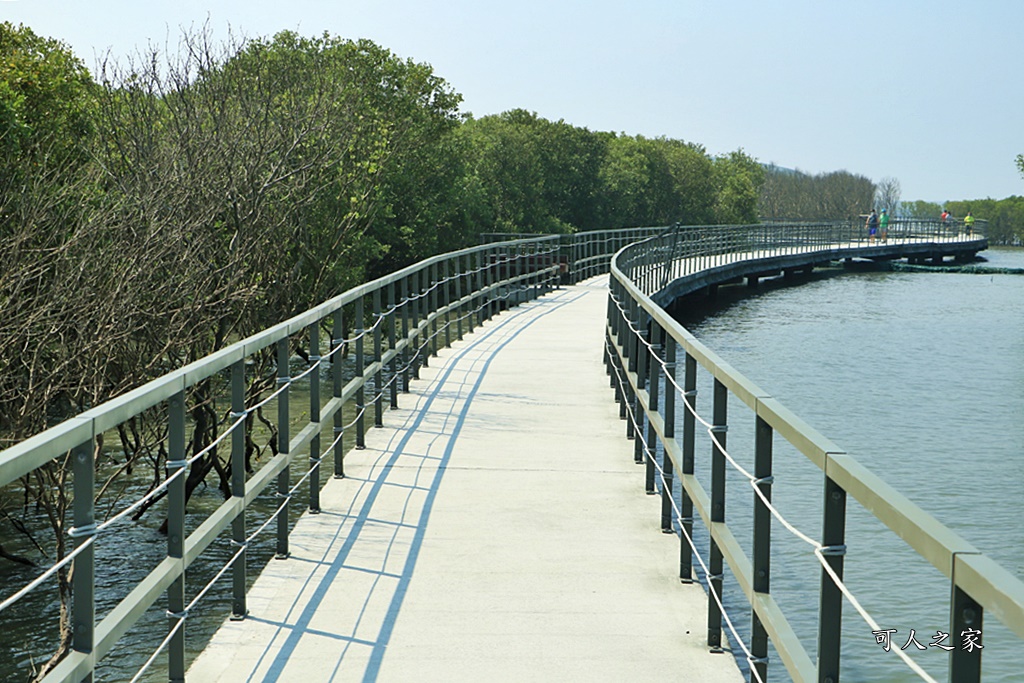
495, 529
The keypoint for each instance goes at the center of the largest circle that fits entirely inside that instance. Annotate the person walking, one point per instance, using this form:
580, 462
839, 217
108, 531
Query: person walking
969, 223
872, 225
883, 226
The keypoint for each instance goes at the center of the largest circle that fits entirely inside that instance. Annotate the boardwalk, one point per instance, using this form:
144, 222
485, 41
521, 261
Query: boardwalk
495, 529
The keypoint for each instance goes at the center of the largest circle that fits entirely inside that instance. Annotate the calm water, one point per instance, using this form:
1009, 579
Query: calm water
920, 376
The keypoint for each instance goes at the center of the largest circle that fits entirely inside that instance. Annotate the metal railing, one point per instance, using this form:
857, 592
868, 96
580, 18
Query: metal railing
395, 323
644, 346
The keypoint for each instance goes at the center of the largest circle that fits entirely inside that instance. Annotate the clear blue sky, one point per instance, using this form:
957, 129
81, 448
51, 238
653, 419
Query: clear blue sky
929, 92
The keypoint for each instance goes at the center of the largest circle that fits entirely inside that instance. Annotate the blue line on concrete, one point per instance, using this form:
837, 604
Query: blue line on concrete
280, 660
387, 628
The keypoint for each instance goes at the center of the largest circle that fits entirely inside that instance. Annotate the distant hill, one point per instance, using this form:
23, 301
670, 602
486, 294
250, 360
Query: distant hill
771, 167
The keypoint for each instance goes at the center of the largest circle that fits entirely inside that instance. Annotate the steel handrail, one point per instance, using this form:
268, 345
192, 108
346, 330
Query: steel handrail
419, 308
642, 342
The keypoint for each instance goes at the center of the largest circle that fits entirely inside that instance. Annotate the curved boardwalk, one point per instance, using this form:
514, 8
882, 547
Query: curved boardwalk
495, 529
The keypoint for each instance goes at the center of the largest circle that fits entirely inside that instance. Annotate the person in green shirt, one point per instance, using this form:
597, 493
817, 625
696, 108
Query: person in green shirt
883, 225
969, 223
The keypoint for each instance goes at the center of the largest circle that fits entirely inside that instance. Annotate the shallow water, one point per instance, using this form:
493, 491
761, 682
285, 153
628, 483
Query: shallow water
920, 376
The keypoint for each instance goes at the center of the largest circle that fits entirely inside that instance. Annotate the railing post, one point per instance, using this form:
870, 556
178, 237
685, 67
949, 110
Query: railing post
653, 382
689, 442
83, 577
392, 335
176, 462
715, 564
423, 337
458, 297
435, 297
416, 294
446, 302
238, 569
378, 376
338, 381
761, 560
407, 307
483, 266
359, 372
283, 447
471, 281
314, 417
669, 346
639, 417
493, 270
628, 343
610, 311
830, 611
966, 617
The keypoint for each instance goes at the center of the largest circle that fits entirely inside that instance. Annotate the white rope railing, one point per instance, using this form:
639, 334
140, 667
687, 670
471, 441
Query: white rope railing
817, 548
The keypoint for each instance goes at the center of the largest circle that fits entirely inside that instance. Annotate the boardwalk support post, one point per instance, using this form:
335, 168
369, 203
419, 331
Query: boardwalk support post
761, 559
83, 606
176, 535
689, 441
314, 417
966, 618
338, 381
830, 612
715, 561
238, 602
283, 447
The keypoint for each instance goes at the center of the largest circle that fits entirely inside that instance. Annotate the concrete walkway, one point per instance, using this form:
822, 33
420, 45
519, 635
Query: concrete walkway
496, 529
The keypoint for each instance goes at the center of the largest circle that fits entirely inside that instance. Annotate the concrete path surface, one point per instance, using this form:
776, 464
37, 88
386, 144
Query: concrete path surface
496, 529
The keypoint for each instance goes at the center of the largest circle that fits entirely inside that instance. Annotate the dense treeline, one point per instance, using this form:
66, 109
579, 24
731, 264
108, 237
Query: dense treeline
794, 195
536, 175
1005, 217
172, 203
179, 201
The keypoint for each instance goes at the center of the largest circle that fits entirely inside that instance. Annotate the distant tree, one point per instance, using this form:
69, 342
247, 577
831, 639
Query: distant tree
1004, 217
738, 182
47, 97
534, 175
1020, 164
887, 195
920, 209
794, 195
192, 199
656, 182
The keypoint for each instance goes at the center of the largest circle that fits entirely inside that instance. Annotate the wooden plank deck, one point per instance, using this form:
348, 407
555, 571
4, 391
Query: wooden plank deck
495, 529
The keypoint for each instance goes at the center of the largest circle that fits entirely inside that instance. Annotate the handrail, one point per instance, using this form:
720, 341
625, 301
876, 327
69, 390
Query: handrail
643, 341
414, 312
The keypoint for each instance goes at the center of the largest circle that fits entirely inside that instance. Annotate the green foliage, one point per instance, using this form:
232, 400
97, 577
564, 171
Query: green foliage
196, 196
738, 182
920, 209
46, 96
535, 175
656, 182
1005, 217
1020, 164
542, 176
794, 195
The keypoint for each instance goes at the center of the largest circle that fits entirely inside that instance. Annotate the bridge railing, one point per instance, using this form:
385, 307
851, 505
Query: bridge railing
389, 327
644, 347
586, 254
